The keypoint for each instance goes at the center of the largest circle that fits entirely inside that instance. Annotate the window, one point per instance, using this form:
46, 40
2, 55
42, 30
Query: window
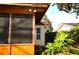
4, 25
21, 28
38, 34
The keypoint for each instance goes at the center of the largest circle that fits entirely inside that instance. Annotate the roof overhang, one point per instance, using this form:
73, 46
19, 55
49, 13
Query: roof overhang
40, 8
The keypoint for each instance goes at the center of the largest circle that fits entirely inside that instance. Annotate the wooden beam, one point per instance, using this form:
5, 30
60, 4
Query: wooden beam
10, 28
30, 4
18, 9
33, 30
40, 5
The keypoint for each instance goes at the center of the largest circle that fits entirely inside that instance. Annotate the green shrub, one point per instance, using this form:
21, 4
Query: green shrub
60, 43
65, 42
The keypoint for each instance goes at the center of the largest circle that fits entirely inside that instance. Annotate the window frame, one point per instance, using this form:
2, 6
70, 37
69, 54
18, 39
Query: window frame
9, 37
38, 34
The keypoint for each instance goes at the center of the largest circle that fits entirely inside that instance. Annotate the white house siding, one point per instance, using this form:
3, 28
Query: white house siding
66, 28
40, 41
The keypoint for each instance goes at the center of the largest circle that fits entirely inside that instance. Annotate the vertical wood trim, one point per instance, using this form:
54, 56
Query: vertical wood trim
33, 31
9, 39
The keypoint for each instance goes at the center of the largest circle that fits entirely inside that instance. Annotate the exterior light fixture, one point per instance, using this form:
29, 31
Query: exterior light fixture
30, 10
35, 10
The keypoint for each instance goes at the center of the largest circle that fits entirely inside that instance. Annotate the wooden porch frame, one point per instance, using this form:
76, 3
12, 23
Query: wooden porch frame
21, 10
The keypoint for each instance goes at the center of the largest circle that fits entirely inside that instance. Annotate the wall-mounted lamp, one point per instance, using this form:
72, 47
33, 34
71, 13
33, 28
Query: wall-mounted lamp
35, 10
32, 10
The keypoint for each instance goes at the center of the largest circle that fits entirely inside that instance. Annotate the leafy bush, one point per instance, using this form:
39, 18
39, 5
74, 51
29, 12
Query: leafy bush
64, 43
60, 44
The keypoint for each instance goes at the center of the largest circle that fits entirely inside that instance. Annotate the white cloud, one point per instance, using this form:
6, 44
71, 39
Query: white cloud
63, 17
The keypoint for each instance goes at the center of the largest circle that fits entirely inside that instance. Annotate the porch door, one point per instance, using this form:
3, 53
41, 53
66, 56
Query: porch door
16, 34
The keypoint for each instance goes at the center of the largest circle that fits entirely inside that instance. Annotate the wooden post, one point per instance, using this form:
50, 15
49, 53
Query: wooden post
33, 30
9, 39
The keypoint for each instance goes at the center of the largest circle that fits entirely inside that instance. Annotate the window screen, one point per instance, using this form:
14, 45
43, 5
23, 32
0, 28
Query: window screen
4, 25
21, 28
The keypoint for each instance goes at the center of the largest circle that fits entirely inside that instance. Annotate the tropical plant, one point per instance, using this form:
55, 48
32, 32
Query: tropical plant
65, 42
60, 44
75, 33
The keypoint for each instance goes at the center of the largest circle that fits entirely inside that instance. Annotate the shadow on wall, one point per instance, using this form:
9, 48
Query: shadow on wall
49, 37
39, 50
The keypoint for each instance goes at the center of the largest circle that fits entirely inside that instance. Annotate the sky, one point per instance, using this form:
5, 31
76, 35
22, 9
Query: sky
57, 17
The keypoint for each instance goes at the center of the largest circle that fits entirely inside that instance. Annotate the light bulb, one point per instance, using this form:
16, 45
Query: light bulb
30, 9
35, 10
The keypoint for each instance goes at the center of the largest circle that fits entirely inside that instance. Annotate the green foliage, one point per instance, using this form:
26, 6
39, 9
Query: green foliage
75, 32
64, 42
60, 43
67, 7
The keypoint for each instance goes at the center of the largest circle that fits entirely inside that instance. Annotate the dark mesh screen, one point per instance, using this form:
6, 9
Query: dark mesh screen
21, 28
4, 25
